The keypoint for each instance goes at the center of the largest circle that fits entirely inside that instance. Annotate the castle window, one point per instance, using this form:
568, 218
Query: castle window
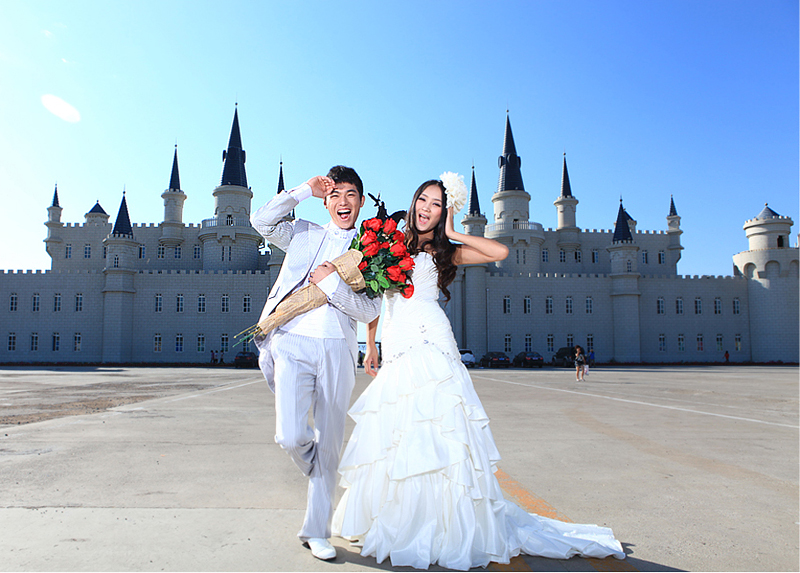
226, 303
229, 220
76, 342
12, 341
717, 305
179, 343
201, 303
524, 251
246, 303
528, 343
160, 252
56, 340
79, 302
12, 302
68, 251
577, 256
590, 343
662, 257
197, 252
526, 305
57, 302
662, 342
223, 343
719, 343
570, 340
105, 252
35, 302
589, 305
660, 306
551, 342
699, 342
629, 266
644, 257
158, 303
178, 252
548, 305
179, 303
595, 256
87, 251
201, 342
568, 305
34, 342
679, 305
681, 343
545, 255
141, 251
507, 345
698, 305
736, 306
506, 305
562, 256
116, 262
157, 342
780, 241
737, 343
517, 256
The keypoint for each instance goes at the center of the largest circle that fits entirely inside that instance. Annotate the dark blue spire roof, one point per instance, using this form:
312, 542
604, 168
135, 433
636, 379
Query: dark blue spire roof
622, 232
474, 207
281, 186
98, 209
123, 224
672, 211
566, 190
175, 178
55, 198
233, 172
510, 162
767, 213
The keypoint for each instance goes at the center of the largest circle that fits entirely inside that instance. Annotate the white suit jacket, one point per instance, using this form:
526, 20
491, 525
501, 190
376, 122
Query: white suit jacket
301, 241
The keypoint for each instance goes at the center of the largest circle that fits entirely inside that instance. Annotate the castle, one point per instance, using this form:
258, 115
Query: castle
172, 292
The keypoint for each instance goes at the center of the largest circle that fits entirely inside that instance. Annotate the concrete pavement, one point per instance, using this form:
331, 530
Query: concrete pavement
695, 468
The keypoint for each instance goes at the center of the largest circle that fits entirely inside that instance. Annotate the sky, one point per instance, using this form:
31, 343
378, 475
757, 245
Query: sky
697, 100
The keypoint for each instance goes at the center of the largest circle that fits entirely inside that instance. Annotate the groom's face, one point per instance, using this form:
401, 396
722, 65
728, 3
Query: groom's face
344, 203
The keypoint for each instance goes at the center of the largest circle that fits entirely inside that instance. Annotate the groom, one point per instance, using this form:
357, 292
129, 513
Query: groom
310, 362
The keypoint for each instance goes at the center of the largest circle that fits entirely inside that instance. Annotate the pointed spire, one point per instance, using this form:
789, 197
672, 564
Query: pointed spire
233, 172
55, 198
510, 162
175, 178
672, 211
98, 209
474, 207
281, 186
767, 213
622, 232
123, 224
566, 190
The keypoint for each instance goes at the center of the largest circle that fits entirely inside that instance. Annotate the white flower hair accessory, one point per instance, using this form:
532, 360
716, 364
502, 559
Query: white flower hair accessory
456, 190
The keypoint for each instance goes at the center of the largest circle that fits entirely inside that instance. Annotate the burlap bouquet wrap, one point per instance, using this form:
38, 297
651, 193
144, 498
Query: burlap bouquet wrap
311, 296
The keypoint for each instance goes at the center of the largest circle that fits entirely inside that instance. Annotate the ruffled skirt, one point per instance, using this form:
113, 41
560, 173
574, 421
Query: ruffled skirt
418, 473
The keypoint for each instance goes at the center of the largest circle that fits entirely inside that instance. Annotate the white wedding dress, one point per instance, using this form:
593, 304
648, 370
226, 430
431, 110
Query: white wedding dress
418, 470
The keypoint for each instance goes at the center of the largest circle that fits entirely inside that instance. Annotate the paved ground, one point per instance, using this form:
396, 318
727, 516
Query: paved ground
695, 468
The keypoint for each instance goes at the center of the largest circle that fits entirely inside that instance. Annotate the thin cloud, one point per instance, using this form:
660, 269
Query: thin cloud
47, 33
61, 109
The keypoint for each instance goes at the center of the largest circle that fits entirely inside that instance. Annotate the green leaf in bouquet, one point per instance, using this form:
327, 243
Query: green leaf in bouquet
383, 281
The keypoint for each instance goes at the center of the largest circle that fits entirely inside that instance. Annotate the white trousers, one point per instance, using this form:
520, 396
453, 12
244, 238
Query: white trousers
317, 375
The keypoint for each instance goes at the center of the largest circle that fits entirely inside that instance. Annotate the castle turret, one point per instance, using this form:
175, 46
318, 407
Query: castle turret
674, 232
96, 215
172, 226
474, 221
568, 232
54, 225
511, 201
625, 290
277, 256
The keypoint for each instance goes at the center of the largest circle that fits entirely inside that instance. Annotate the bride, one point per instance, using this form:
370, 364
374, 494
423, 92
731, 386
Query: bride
418, 470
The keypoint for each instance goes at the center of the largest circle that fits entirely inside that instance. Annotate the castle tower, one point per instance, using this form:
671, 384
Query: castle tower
54, 225
96, 215
229, 241
771, 267
511, 201
674, 232
172, 226
474, 221
624, 291
568, 232
277, 256
119, 291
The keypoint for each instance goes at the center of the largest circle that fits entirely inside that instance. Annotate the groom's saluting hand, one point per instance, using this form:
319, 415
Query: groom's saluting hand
321, 186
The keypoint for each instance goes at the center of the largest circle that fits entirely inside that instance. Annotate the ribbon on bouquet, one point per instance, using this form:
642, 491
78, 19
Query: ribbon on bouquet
308, 298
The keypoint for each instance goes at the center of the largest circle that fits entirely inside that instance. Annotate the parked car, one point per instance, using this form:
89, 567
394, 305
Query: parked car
246, 360
495, 360
565, 356
528, 360
467, 358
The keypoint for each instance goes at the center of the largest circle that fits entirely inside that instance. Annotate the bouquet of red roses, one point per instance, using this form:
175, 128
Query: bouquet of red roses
386, 260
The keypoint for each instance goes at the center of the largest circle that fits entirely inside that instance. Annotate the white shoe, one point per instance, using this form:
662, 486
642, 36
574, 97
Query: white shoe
321, 549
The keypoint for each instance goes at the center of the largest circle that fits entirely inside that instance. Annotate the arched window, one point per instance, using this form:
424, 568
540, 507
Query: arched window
116, 261
229, 220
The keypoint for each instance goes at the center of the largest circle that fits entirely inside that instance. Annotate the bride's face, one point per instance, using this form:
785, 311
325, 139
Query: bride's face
428, 209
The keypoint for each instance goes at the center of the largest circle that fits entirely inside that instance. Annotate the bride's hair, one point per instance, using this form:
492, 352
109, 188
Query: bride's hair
439, 245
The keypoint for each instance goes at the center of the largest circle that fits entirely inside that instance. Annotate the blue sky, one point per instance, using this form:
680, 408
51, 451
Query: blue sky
695, 99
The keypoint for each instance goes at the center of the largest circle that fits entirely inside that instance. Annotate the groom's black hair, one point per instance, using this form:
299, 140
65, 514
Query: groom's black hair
342, 174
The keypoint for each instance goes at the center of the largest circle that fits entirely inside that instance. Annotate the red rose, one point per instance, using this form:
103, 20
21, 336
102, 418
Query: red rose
389, 226
371, 250
385, 246
408, 291
362, 265
398, 249
406, 264
373, 224
395, 274
369, 237
398, 237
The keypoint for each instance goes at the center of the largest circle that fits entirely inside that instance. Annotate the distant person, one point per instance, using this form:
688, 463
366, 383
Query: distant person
591, 357
213, 357
727, 356
580, 363
222, 358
